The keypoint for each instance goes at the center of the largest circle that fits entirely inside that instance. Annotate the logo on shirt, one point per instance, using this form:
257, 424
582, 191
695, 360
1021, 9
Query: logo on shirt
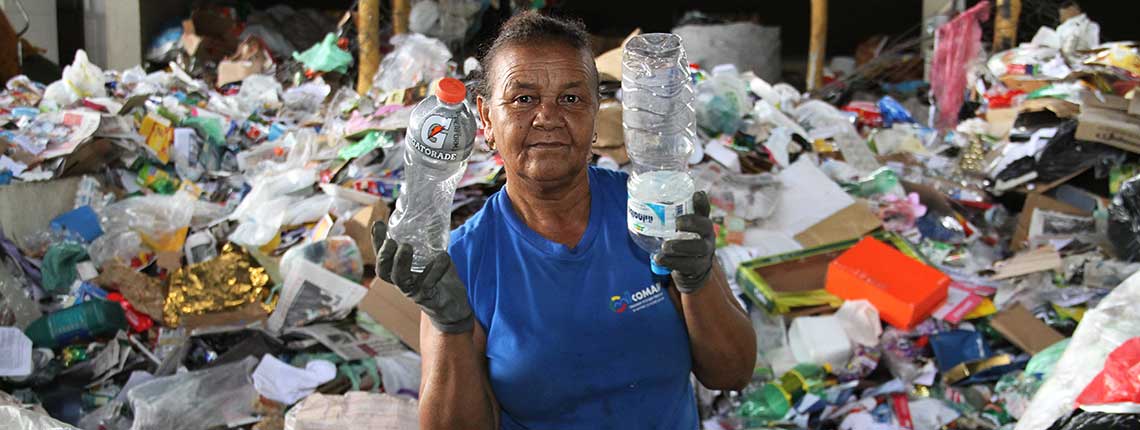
618, 304
637, 300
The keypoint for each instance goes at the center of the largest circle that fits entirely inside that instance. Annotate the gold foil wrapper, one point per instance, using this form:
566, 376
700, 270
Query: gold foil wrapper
973, 157
225, 283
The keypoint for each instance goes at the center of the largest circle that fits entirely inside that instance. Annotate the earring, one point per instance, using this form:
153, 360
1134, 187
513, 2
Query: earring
595, 137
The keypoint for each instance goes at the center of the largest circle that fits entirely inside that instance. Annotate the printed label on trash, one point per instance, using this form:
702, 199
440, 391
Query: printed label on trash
442, 137
654, 219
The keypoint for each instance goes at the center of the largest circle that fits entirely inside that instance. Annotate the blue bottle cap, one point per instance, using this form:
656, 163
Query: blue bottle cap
658, 269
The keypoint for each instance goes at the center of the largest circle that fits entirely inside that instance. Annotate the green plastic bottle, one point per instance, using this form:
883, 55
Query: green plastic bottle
81, 322
773, 400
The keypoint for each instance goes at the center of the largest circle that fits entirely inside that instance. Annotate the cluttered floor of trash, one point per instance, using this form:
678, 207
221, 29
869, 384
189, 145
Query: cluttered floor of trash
187, 246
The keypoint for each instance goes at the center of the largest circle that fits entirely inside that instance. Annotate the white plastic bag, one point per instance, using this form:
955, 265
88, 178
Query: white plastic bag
860, 320
80, 79
1115, 320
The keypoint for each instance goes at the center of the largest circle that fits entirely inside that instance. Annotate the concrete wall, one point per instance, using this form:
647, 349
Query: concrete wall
42, 32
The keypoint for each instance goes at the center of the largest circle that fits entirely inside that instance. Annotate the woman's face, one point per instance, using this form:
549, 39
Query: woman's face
541, 111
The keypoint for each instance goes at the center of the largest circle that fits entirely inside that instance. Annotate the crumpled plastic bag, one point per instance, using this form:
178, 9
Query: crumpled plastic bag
80, 79
1124, 220
1104, 328
1078, 33
337, 254
416, 59
209, 398
860, 320
262, 213
161, 222
1117, 383
325, 56
721, 101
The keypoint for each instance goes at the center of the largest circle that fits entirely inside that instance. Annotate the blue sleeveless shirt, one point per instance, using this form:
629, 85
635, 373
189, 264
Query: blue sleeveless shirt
577, 338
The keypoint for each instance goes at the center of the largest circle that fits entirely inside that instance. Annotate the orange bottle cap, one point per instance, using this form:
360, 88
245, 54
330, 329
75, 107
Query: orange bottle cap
451, 91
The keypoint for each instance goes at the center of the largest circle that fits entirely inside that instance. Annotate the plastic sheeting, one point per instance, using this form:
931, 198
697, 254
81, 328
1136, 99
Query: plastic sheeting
208, 398
1114, 321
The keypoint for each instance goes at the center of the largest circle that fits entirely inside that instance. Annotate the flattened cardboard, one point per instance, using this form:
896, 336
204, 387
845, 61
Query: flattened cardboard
29, 207
609, 63
1019, 326
851, 222
1035, 201
359, 228
388, 306
1037, 260
611, 139
1001, 121
1110, 127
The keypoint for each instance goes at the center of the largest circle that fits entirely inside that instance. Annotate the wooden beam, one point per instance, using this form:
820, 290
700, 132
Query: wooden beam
817, 50
400, 11
368, 43
1005, 24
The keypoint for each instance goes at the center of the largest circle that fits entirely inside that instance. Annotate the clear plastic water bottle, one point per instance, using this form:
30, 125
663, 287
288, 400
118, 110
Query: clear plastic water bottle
441, 134
660, 131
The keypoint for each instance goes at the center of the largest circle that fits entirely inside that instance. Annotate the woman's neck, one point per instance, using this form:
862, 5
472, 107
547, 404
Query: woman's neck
560, 212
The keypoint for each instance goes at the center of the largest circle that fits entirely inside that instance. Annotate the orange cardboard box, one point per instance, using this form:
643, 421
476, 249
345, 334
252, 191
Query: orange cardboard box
904, 290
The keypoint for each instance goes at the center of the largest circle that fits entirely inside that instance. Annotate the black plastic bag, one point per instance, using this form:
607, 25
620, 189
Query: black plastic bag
1124, 220
1080, 420
1065, 155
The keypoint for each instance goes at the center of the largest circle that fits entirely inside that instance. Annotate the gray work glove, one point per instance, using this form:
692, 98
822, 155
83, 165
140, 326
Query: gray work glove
691, 260
438, 290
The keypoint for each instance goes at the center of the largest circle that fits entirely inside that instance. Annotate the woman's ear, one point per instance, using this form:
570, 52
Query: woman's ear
484, 109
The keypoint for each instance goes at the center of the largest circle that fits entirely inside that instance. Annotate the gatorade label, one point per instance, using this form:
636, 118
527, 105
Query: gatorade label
444, 137
655, 219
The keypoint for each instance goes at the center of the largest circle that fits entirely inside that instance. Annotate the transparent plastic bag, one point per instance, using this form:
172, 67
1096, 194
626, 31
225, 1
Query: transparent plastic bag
154, 217
416, 59
258, 92
16, 308
338, 254
214, 397
119, 246
1114, 321
262, 212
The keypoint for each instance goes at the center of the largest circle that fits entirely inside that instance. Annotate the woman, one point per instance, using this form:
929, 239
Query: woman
571, 331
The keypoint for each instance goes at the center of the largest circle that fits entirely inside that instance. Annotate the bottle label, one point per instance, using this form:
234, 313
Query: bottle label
443, 137
655, 219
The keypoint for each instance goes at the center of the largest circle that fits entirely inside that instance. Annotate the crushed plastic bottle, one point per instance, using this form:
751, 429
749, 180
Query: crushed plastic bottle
441, 135
659, 125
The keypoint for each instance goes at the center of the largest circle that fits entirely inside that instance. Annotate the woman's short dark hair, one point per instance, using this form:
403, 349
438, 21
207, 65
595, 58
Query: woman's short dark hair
531, 27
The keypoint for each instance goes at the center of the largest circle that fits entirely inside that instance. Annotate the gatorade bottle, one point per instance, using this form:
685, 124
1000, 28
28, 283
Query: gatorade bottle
441, 134
82, 322
660, 129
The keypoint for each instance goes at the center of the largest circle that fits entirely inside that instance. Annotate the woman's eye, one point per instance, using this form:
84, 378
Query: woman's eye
524, 99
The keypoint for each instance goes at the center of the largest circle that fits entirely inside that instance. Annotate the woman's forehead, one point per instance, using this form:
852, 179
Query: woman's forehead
541, 65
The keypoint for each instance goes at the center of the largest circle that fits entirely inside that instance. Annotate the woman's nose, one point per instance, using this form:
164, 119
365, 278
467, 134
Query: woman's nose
548, 116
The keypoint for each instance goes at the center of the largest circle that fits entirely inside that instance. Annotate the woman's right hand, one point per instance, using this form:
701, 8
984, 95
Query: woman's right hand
438, 290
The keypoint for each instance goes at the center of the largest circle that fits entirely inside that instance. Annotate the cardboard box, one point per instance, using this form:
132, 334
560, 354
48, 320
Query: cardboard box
609, 63
849, 223
1110, 127
1033, 202
904, 290
359, 228
789, 282
1024, 330
388, 306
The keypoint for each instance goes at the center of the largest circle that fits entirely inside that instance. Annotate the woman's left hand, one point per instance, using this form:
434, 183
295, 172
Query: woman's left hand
691, 259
